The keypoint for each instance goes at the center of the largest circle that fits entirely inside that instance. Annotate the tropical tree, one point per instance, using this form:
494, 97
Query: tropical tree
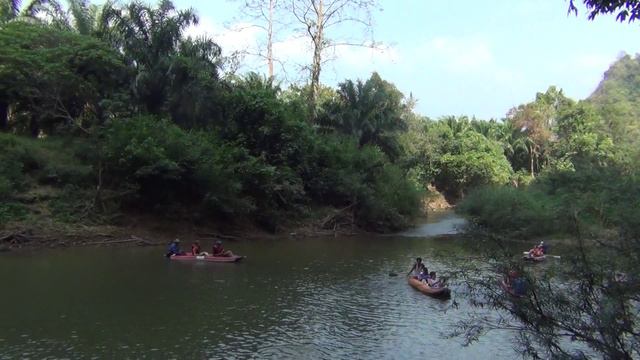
13, 10
53, 77
470, 160
373, 112
171, 74
536, 120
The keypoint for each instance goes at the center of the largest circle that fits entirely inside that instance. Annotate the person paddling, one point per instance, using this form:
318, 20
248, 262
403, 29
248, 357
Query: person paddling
418, 268
218, 250
174, 248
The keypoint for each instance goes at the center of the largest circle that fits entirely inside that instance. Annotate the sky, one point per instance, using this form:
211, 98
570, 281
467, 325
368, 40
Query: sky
462, 57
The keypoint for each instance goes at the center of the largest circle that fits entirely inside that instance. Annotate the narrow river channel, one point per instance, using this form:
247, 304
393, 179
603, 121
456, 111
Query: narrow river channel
320, 298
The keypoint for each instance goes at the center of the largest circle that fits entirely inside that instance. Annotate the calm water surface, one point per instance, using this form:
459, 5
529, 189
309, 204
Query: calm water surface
291, 298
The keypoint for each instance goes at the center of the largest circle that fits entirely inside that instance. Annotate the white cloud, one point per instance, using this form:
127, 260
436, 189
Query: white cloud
593, 62
456, 54
238, 37
358, 56
293, 49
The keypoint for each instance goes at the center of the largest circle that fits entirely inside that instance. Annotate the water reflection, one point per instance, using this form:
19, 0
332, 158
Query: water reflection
442, 222
315, 298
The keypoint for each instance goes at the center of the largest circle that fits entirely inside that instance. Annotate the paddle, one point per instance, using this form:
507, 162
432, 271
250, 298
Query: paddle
553, 256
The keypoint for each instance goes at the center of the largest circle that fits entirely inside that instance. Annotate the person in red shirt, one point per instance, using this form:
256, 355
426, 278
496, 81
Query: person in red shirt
195, 248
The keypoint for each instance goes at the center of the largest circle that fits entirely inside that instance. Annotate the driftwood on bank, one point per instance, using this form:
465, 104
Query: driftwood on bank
339, 219
26, 239
22, 237
132, 239
214, 236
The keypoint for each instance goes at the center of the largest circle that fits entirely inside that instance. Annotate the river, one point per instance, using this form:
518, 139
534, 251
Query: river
320, 298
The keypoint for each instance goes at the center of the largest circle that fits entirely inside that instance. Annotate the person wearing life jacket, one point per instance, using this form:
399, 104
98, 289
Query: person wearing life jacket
418, 269
174, 248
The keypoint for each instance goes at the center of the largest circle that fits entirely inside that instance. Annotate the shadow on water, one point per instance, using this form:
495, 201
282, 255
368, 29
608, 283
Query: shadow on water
312, 298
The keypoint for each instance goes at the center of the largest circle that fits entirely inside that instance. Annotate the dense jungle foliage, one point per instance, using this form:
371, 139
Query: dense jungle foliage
111, 109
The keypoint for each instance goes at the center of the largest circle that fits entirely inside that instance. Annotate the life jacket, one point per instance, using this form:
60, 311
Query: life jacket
173, 249
195, 249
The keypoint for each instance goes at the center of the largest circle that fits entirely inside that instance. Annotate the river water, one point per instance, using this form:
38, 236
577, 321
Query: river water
328, 298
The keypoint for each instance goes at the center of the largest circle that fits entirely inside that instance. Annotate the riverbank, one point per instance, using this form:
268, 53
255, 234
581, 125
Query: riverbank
149, 230
42, 229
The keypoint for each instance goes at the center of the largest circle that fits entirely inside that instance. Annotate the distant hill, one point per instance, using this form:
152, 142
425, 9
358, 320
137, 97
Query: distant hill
617, 99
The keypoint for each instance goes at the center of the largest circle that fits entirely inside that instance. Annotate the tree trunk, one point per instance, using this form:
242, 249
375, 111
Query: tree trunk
531, 155
270, 39
318, 45
34, 126
4, 116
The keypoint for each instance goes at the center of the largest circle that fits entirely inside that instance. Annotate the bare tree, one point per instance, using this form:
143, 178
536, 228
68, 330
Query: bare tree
265, 15
318, 18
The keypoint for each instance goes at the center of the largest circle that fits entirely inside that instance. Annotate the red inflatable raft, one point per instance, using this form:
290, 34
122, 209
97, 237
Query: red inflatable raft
534, 258
428, 290
208, 258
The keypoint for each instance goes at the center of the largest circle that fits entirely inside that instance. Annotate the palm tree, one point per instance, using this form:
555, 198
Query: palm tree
10, 10
149, 38
84, 18
457, 125
372, 112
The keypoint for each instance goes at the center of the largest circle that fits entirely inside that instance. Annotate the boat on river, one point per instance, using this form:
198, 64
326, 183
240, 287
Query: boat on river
509, 289
428, 290
529, 257
207, 258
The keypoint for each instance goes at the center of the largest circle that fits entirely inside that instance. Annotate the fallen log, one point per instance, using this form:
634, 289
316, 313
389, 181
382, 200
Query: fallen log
337, 218
6, 237
218, 236
106, 242
132, 239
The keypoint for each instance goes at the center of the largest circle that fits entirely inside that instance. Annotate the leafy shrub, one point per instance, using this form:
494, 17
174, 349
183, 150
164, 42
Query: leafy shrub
73, 204
341, 174
507, 209
583, 201
11, 165
6, 187
12, 212
166, 164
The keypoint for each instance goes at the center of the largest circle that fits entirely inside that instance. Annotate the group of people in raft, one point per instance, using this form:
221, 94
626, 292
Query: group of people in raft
538, 250
217, 250
419, 271
514, 281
